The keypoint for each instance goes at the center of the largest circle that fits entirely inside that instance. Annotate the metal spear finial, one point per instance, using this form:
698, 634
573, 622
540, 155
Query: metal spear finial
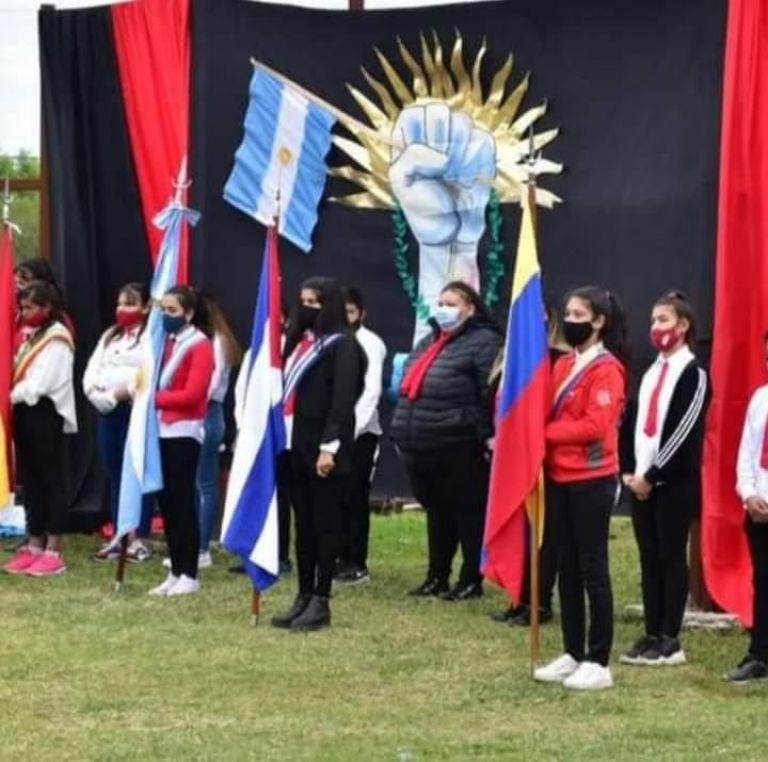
181, 183
7, 201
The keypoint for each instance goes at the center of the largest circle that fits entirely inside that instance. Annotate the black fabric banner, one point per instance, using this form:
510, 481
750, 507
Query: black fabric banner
635, 87
98, 239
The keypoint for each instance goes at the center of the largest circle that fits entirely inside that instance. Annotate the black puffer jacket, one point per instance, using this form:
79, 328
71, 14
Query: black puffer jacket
453, 407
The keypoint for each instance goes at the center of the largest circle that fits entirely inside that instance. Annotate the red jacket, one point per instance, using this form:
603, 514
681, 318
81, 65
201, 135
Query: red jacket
583, 432
185, 398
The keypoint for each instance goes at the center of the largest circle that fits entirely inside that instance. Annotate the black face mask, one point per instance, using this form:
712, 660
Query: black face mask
307, 317
576, 334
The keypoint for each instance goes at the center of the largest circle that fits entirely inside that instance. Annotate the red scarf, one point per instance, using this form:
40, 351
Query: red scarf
414, 378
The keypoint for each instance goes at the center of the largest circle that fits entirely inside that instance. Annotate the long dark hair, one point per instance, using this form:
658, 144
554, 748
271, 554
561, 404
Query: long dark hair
678, 301
37, 268
613, 334
470, 296
190, 301
221, 328
333, 314
44, 294
141, 290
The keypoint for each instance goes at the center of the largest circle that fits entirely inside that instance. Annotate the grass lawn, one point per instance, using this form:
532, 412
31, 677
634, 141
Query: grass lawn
85, 674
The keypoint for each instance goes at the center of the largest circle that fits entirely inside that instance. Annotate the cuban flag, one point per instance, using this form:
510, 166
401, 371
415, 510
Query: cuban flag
523, 406
249, 528
142, 468
287, 138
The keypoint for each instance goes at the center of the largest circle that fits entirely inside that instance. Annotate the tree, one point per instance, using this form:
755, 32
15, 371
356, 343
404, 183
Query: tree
25, 210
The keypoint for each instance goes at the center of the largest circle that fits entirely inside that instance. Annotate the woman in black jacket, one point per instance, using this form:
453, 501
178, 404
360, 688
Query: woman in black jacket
662, 468
442, 425
323, 379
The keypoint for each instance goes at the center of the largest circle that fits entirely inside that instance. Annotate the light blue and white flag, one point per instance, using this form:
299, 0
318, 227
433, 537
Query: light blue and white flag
142, 469
287, 138
249, 527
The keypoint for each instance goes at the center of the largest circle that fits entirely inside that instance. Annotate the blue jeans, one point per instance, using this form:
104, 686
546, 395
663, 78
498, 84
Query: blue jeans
112, 432
208, 473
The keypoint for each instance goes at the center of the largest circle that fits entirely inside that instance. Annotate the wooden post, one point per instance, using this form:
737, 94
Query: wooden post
255, 606
535, 597
121, 561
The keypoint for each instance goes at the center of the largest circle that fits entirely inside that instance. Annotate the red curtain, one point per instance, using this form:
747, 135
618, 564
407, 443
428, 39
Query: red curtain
741, 299
152, 41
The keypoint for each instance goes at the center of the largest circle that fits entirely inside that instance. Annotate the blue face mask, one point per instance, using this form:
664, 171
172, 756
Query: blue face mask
447, 317
173, 323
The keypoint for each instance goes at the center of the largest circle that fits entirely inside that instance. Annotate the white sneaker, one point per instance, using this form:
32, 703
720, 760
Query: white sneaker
556, 671
590, 676
185, 586
166, 563
165, 587
204, 560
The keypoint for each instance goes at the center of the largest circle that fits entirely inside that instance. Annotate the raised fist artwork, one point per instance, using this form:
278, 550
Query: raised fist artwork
442, 169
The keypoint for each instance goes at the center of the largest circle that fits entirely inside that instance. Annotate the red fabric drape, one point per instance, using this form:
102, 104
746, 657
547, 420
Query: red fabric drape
741, 299
7, 351
152, 42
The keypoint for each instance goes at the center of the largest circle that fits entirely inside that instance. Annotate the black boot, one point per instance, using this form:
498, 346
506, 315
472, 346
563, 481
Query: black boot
430, 587
506, 615
284, 621
315, 616
463, 591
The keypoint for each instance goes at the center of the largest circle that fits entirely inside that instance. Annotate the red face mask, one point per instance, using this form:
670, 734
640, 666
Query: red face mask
36, 319
664, 339
128, 318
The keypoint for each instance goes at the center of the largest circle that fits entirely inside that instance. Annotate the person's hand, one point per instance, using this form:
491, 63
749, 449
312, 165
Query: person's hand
325, 464
640, 487
441, 172
758, 510
122, 394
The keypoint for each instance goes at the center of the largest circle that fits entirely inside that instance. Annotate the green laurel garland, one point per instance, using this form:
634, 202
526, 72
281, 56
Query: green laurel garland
494, 261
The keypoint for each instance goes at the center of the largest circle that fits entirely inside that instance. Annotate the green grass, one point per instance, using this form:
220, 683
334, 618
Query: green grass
88, 675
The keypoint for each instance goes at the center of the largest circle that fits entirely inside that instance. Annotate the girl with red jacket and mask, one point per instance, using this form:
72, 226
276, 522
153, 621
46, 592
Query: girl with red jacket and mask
582, 467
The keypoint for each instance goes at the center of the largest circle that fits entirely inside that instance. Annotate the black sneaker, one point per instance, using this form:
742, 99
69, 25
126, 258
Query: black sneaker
748, 669
463, 591
237, 569
429, 588
504, 616
667, 652
522, 617
286, 567
353, 575
634, 655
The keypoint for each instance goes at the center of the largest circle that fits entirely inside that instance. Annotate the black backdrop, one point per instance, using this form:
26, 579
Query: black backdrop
635, 88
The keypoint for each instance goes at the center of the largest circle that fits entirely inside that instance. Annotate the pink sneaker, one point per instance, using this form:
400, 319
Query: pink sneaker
23, 559
47, 565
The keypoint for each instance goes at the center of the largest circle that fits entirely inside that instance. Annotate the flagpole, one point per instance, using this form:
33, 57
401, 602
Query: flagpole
535, 518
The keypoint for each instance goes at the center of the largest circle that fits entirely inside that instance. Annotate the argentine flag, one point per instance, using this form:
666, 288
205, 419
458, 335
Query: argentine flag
142, 469
249, 527
286, 140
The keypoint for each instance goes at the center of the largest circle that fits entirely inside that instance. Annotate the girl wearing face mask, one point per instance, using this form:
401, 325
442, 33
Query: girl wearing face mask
182, 403
663, 475
582, 467
43, 411
38, 269
442, 425
323, 373
109, 383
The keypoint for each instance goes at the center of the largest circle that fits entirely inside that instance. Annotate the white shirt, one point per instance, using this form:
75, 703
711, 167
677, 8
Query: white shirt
221, 372
367, 407
50, 375
751, 477
114, 366
647, 448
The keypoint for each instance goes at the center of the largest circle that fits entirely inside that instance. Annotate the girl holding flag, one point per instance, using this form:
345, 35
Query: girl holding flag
43, 401
663, 472
582, 467
109, 383
182, 404
323, 380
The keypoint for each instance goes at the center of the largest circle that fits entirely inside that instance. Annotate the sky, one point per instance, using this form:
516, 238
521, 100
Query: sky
20, 76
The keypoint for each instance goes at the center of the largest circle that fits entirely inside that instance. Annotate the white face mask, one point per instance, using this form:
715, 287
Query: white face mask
447, 317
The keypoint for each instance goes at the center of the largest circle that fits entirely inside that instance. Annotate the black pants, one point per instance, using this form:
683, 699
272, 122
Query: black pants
317, 507
284, 504
452, 485
547, 567
356, 517
581, 513
758, 548
177, 503
662, 525
38, 433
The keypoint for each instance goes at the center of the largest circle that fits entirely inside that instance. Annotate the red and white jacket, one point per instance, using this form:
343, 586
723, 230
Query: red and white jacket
185, 377
583, 430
